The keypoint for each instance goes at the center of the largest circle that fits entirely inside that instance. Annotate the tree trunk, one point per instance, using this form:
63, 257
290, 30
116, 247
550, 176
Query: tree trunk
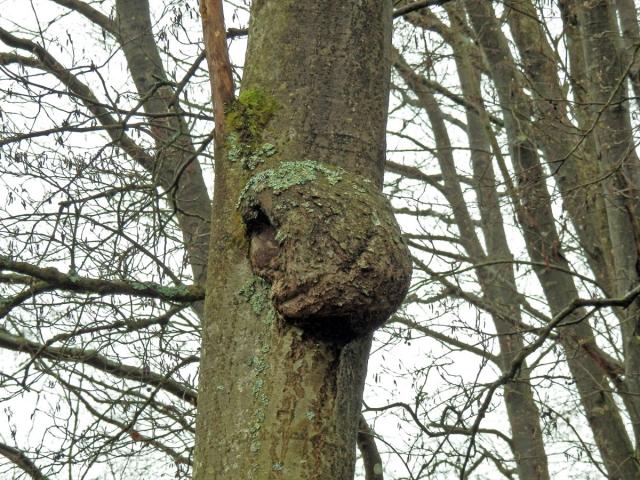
533, 206
571, 160
619, 169
176, 168
285, 353
497, 283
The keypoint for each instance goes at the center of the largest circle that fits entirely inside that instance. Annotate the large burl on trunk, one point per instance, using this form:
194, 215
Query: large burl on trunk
327, 241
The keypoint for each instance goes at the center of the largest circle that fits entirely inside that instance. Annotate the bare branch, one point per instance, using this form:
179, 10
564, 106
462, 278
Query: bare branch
445, 338
20, 459
55, 279
91, 13
92, 358
517, 363
218, 59
49, 64
412, 7
369, 451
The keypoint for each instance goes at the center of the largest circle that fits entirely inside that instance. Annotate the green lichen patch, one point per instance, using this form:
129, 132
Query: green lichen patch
256, 292
259, 364
288, 174
247, 155
165, 291
255, 447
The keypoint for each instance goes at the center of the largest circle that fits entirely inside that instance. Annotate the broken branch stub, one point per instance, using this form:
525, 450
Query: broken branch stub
328, 243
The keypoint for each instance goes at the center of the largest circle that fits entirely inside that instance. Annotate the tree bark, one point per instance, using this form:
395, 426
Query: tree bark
619, 168
571, 162
276, 400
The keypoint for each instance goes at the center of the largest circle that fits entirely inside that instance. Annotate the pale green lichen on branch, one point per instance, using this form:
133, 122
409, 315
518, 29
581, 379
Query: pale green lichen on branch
168, 292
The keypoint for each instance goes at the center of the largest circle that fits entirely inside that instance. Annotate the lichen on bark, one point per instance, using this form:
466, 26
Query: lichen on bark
327, 242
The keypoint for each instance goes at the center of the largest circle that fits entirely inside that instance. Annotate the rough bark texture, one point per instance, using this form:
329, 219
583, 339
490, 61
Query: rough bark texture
327, 242
275, 402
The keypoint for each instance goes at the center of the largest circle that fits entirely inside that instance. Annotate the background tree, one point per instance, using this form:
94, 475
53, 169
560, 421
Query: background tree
511, 163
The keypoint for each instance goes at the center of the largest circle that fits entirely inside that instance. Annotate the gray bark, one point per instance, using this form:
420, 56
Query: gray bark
534, 212
276, 402
619, 167
176, 168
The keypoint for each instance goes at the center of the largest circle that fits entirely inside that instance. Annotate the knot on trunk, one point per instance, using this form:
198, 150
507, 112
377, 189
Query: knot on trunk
328, 243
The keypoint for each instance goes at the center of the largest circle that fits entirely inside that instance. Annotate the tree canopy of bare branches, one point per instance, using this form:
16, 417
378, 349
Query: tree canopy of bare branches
512, 169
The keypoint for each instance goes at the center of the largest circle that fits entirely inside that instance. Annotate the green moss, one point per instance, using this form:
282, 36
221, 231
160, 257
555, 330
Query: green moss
250, 113
245, 122
246, 119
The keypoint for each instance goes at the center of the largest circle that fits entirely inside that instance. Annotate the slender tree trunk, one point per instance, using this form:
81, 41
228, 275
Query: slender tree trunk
284, 364
498, 284
619, 167
534, 213
571, 162
501, 285
571, 151
628, 14
176, 167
